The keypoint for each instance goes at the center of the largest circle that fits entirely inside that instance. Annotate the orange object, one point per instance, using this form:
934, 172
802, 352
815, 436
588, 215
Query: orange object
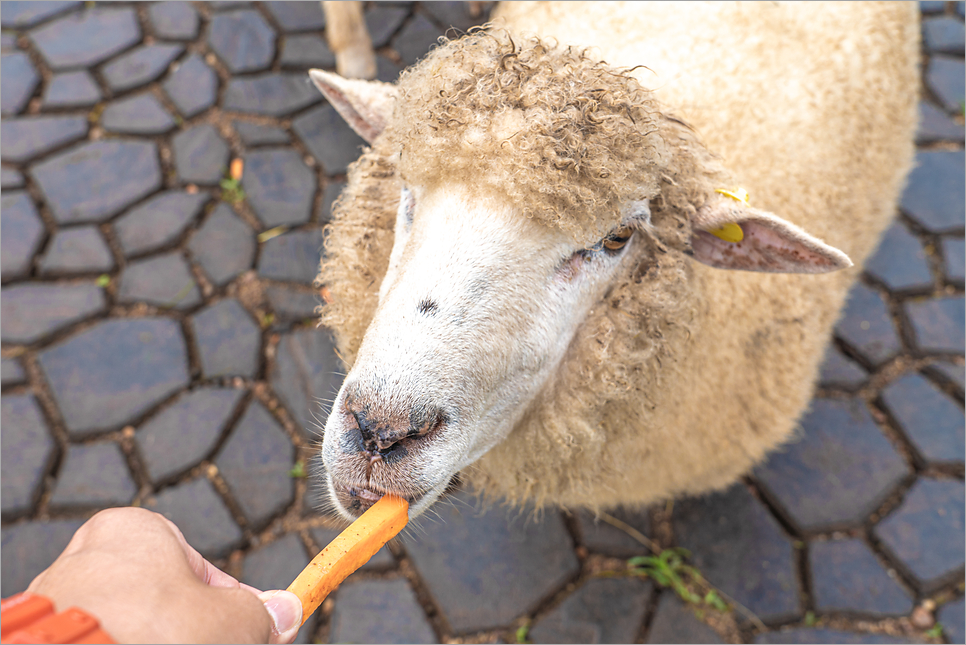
29, 618
237, 167
349, 551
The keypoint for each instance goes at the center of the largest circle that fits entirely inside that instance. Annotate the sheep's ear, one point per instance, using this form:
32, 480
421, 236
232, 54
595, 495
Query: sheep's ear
365, 105
729, 234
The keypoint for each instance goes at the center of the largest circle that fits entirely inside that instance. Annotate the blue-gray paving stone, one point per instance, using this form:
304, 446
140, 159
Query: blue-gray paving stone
453, 14
935, 125
94, 181
18, 80
200, 154
24, 139
948, 372
332, 191
21, 231
8, 41
225, 5
29, 548
841, 469
674, 622
739, 547
381, 561
26, 448
87, 37
944, 35
900, 261
329, 139
599, 536
945, 77
602, 610
383, 21
141, 114
379, 611
297, 16
93, 475
307, 370
271, 94
931, 420
10, 178
927, 7
78, 249
253, 134
934, 195
831, 636
925, 534
201, 515
954, 258
183, 434
34, 310
961, 9
255, 463
291, 305
387, 71
938, 324
292, 257
174, 20
866, 325
416, 39
951, 617
274, 566
279, 186
161, 280
846, 577
11, 372
516, 562
192, 86
158, 222
224, 246
306, 51
109, 374
840, 371
228, 340
140, 66
71, 90
242, 40
21, 15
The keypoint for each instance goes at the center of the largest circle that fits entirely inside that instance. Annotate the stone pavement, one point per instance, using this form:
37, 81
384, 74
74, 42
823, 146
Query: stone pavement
158, 349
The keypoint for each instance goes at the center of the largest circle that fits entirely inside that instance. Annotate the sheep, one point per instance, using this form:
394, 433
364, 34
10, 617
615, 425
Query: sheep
586, 284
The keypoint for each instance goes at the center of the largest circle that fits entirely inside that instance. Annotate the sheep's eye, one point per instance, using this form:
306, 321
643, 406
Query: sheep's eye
618, 239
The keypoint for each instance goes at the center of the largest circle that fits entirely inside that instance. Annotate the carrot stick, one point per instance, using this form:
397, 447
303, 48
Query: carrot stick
349, 551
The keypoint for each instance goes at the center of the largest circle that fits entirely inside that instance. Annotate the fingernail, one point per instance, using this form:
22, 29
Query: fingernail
285, 608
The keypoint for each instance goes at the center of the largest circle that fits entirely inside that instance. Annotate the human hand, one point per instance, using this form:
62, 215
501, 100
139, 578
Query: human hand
133, 570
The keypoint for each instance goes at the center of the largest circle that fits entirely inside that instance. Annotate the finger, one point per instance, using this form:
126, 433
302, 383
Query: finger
206, 571
285, 608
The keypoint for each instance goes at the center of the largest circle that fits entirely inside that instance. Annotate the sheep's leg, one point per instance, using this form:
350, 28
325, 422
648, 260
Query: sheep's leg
348, 37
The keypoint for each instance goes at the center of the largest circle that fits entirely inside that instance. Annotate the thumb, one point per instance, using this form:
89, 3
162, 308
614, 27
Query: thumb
285, 608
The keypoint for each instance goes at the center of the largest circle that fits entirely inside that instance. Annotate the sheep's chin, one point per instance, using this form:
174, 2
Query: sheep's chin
417, 503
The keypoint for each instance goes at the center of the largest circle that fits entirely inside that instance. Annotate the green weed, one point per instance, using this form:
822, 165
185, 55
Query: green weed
231, 190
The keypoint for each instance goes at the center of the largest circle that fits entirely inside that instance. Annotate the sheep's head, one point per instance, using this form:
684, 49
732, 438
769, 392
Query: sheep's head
533, 184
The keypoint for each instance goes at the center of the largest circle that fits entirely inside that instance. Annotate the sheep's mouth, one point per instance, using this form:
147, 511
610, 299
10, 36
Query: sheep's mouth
356, 499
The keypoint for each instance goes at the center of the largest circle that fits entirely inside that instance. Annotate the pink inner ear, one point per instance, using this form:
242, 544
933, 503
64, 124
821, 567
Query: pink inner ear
769, 249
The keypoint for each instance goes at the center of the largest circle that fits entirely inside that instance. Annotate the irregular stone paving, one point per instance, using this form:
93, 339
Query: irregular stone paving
158, 348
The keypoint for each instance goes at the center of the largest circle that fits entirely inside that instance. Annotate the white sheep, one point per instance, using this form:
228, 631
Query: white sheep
525, 270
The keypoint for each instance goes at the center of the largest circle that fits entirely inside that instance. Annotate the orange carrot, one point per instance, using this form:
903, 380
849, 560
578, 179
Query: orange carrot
236, 169
349, 551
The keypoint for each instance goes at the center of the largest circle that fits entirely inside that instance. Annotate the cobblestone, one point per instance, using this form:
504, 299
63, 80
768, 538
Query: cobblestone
954, 259
676, 623
900, 262
934, 195
306, 372
33, 311
275, 566
945, 77
161, 280
21, 232
602, 610
928, 417
79, 249
950, 616
305, 52
202, 516
24, 139
291, 305
846, 577
192, 86
140, 66
416, 39
253, 134
944, 35
200, 155
93, 475
10, 178
934, 126
228, 340
26, 449
330, 140
243, 40
29, 548
296, 16
839, 371
174, 20
71, 90
23, 15
820, 635
11, 373
600, 537
383, 21
224, 246
142, 114
158, 222
270, 94
379, 611
87, 38
279, 186
937, 325
866, 325
292, 257
18, 80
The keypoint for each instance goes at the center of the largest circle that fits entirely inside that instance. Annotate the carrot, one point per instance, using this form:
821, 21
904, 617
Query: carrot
349, 551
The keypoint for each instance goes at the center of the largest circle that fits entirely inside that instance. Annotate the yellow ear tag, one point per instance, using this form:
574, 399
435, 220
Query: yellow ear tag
730, 232
738, 194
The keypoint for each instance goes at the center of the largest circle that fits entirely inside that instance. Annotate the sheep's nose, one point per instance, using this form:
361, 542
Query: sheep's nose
384, 431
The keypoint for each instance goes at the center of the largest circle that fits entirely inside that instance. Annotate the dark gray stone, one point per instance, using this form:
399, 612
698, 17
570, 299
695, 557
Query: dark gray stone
224, 246
944, 35
255, 462
900, 262
87, 38
292, 257
945, 77
174, 20
140, 66
925, 534
453, 15
279, 186
184, 434
951, 617
228, 340
161, 280
158, 222
192, 86
93, 475
329, 138
416, 39
296, 16
674, 622
253, 134
381, 561
930, 419
934, 126
927, 7
22, 15
599, 536
307, 371
839, 371
954, 259
291, 305
106, 376
242, 40
79, 249
26, 448
938, 324
740, 548
516, 562
821, 635
272, 94
21, 232
71, 90
304, 52
200, 154
34, 310
846, 577
8, 41
201, 515
12, 373
24, 139
602, 610
225, 5
18, 80
840, 471
948, 373
10, 178
94, 181
934, 196
275, 566
27, 549
141, 114
866, 325
386, 70
379, 611
383, 21
332, 191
